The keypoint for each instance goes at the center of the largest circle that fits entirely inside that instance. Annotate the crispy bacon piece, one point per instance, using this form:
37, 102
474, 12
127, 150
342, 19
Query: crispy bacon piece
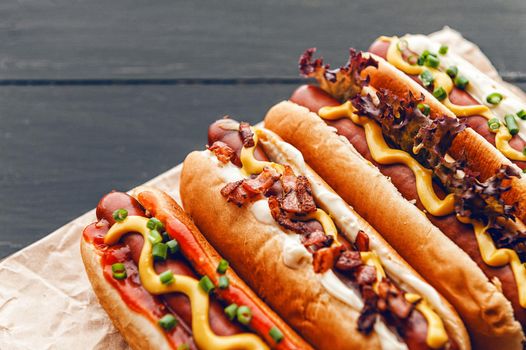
262, 182
297, 196
316, 240
235, 192
282, 218
362, 241
369, 311
246, 134
222, 151
365, 275
324, 258
348, 261
392, 299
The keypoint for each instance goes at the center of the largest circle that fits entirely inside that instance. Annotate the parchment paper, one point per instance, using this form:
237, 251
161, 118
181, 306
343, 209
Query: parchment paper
46, 301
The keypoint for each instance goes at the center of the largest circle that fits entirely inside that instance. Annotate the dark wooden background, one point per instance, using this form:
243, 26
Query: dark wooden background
99, 95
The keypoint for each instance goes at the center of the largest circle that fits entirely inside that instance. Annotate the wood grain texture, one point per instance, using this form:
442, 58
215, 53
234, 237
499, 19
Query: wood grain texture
98, 39
65, 147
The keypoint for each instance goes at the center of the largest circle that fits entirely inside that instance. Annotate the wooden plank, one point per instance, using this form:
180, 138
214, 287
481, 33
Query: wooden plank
99, 39
64, 147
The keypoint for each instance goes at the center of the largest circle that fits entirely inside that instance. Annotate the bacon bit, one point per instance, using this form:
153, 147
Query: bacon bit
262, 182
393, 300
324, 258
298, 193
369, 312
282, 218
348, 261
246, 134
362, 241
365, 275
316, 240
236, 193
222, 151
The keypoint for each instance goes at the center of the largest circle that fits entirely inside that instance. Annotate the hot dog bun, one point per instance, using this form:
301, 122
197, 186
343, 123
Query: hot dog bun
138, 331
487, 313
254, 246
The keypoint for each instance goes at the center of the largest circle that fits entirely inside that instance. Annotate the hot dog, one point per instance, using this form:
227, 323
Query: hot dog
334, 279
165, 287
384, 143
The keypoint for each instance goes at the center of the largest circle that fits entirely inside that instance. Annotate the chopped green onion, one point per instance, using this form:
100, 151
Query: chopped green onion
440, 93
155, 237
244, 315
222, 266
420, 61
494, 98
155, 224
173, 246
427, 78
276, 334
166, 237
524, 170
493, 124
432, 61
425, 54
118, 267
401, 45
424, 108
223, 282
183, 346
120, 214
119, 271
231, 311
168, 322
461, 82
511, 124
160, 252
452, 71
522, 114
206, 284
167, 277
443, 49
524, 152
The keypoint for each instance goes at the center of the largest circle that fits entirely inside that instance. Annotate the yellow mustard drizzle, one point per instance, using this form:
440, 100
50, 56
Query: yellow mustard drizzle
499, 257
203, 335
394, 56
326, 222
371, 258
383, 154
436, 335
250, 165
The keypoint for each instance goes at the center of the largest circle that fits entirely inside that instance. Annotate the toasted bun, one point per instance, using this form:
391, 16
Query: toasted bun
334, 328
486, 312
255, 251
482, 156
138, 331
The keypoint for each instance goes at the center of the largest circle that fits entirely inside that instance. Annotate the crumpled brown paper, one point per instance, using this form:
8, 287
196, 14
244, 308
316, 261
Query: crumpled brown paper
46, 301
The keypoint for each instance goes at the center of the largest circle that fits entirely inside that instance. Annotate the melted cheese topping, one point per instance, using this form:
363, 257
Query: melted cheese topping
383, 154
203, 335
499, 257
250, 164
437, 336
394, 56
326, 222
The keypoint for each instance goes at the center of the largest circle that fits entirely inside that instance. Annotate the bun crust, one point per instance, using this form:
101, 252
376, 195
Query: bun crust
138, 331
486, 312
482, 156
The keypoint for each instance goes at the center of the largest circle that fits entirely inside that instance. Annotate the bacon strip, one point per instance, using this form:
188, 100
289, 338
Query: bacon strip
246, 134
222, 151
